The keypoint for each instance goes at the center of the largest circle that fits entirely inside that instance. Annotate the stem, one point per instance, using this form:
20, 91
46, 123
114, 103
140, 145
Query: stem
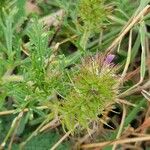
63, 138
128, 56
127, 28
120, 141
8, 112
12, 78
36, 131
121, 126
14, 132
84, 39
12, 128
33, 134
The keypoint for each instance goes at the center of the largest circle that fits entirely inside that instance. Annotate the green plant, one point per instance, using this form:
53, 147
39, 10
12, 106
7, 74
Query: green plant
60, 75
37, 77
92, 15
93, 91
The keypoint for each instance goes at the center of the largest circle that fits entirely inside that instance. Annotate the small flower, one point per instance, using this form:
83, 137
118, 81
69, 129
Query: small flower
109, 58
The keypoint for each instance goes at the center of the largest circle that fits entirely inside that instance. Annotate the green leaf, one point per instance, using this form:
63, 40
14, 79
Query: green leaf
143, 45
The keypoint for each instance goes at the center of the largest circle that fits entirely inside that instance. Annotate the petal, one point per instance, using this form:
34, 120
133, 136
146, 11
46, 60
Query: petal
109, 58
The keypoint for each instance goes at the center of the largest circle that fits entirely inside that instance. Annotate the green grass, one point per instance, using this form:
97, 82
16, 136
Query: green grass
59, 72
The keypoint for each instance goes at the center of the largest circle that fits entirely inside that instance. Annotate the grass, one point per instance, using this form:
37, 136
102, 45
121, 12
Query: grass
60, 87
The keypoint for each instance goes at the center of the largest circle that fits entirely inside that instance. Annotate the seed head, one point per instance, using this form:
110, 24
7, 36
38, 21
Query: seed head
94, 88
92, 13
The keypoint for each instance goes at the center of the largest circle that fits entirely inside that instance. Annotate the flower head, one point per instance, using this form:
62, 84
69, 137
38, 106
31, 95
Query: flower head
92, 13
94, 88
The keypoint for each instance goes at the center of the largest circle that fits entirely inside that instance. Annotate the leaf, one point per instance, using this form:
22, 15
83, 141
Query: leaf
143, 55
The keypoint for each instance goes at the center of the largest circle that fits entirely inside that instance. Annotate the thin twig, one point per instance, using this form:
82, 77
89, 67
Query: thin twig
8, 112
127, 28
14, 133
63, 138
128, 56
56, 46
12, 128
121, 126
83, 139
147, 44
138, 89
126, 102
120, 141
54, 123
33, 133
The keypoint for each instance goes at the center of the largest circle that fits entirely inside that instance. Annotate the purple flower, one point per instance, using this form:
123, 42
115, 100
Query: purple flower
109, 58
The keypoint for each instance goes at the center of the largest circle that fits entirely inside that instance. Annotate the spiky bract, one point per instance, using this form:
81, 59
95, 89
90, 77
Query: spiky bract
92, 13
94, 88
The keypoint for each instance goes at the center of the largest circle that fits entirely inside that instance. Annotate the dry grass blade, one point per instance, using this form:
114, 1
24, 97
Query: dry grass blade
122, 101
138, 89
14, 124
8, 112
54, 123
146, 95
63, 138
15, 130
127, 28
120, 141
121, 126
128, 56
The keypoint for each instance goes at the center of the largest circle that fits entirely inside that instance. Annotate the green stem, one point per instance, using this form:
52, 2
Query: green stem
84, 39
22, 145
12, 128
